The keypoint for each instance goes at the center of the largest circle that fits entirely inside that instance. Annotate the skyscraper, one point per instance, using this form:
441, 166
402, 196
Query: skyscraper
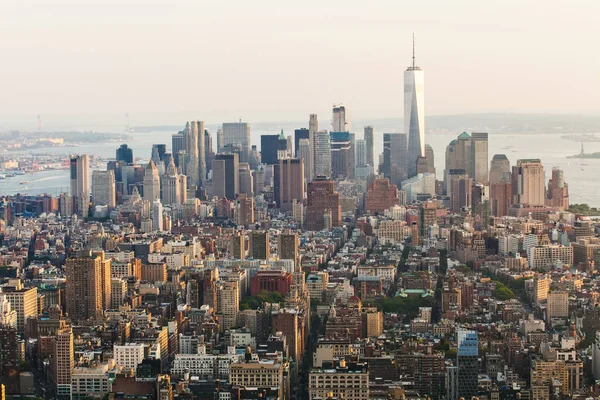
151, 182
460, 189
288, 182
269, 145
208, 149
558, 190
313, 128
369, 141
192, 133
201, 154
361, 153
394, 158
479, 147
467, 363
499, 169
414, 113
63, 362
88, 285
305, 154
178, 145
80, 184
287, 246
322, 201
103, 189
174, 186
301, 133
322, 154
245, 179
339, 122
529, 182
157, 215
381, 195
237, 133
430, 159
340, 154
226, 183
125, 154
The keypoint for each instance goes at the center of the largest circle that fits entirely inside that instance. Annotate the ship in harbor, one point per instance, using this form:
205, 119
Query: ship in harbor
583, 154
584, 137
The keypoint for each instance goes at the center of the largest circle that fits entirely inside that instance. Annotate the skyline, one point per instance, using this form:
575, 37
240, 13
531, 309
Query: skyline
127, 62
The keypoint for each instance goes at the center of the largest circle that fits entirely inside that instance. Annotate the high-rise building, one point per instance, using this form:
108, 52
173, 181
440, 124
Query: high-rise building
414, 114
23, 301
124, 154
322, 154
246, 179
157, 215
304, 153
460, 189
500, 198
151, 182
340, 154
245, 210
313, 128
228, 304
529, 183
394, 165
237, 247
103, 189
361, 153
63, 362
237, 133
220, 140
174, 186
558, 190
269, 146
178, 145
226, 176
427, 217
301, 133
201, 154
369, 142
287, 246
80, 184
333, 381
339, 122
323, 201
381, 196
288, 182
558, 305
88, 285
208, 149
430, 159
192, 133
479, 147
499, 169
467, 363
259, 245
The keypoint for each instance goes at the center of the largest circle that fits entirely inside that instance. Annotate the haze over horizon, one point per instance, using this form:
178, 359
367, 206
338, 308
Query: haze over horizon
274, 63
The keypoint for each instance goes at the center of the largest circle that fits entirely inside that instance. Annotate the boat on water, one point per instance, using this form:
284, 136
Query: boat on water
24, 182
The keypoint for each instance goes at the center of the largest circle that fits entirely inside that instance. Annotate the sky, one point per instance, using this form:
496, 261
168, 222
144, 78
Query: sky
266, 60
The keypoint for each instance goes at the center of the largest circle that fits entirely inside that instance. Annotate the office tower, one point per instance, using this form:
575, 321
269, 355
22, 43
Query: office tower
422, 165
258, 179
208, 150
255, 158
151, 182
460, 189
499, 169
427, 217
191, 133
237, 247
237, 133
23, 301
479, 147
269, 145
245, 178
118, 292
322, 154
63, 362
500, 198
80, 184
157, 215
313, 128
558, 305
103, 189
467, 363
430, 158
259, 245
414, 114
178, 145
340, 154
458, 156
245, 210
228, 301
201, 154
171, 185
394, 157
528, 183
323, 201
352, 157
301, 133
304, 154
558, 190
124, 154
88, 285
481, 206
361, 153
161, 149
381, 196
288, 182
287, 246
226, 176
339, 122
369, 142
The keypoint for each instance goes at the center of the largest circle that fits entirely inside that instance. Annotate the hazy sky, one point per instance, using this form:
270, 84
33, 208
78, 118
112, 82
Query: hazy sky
277, 60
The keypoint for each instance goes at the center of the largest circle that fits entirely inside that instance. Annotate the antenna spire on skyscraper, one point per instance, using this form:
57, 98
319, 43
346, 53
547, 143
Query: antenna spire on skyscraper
413, 51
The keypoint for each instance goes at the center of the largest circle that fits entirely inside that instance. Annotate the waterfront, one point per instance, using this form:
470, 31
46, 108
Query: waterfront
552, 149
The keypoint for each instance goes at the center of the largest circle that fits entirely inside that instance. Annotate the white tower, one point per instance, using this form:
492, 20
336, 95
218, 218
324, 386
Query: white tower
157, 215
414, 114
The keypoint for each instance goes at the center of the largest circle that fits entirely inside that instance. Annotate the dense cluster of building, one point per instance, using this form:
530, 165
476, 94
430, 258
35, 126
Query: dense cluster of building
304, 270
